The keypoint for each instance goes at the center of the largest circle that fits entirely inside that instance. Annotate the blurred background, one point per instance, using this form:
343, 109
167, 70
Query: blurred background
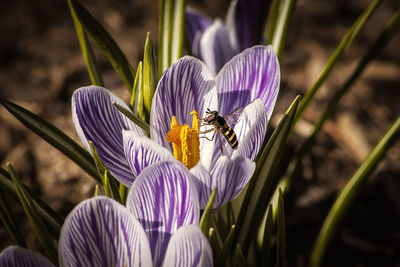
41, 65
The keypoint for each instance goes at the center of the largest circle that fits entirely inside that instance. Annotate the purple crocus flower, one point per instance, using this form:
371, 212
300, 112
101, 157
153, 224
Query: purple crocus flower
249, 80
216, 42
158, 227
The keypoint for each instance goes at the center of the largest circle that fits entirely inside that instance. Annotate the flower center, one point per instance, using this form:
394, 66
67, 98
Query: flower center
185, 141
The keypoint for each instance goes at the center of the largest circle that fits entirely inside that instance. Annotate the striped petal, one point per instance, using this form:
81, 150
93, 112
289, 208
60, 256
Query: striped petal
102, 232
203, 183
252, 74
215, 47
141, 152
163, 199
97, 119
184, 87
251, 129
188, 247
230, 175
14, 256
196, 23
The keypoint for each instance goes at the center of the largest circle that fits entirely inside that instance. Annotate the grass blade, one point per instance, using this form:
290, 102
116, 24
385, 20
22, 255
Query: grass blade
286, 10
9, 222
205, 218
342, 47
53, 136
264, 239
104, 42
34, 217
350, 192
138, 121
87, 51
254, 204
53, 220
281, 231
149, 74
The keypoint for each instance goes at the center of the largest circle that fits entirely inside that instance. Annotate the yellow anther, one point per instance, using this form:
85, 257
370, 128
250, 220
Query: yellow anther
185, 141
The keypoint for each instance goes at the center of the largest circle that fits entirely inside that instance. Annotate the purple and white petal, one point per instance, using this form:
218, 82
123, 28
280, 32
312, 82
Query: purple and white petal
163, 198
215, 47
182, 88
196, 23
188, 247
97, 119
102, 232
203, 182
251, 129
230, 175
140, 152
247, 19
15, 256
252, 74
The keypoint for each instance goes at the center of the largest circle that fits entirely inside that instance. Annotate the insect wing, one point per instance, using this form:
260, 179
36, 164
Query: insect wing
232, 118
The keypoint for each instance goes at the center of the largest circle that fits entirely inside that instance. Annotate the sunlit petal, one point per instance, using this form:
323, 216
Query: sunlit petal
188, 247
163, 198
102, 232
196, 23
97, 119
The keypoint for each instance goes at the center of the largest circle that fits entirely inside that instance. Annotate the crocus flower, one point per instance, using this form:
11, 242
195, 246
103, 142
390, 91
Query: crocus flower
15, 256
249, 80
158, 227
216, 42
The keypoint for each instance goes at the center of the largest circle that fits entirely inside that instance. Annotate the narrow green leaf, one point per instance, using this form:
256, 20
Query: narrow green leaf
138, 121
137, 101
109, 182
53, 220
281, 231
9, 222
34, 217
384, 37
149, 73
342, 47
87, 51
170, 32
350, 192
205, 218
96, 190
53, 136
227, 246
264, 237
256, 199
215, 245
123, 193
220, 223
286, 10
272, 21
240, 257
104, 42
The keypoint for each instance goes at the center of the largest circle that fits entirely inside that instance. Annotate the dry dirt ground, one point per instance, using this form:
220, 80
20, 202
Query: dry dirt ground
41, 66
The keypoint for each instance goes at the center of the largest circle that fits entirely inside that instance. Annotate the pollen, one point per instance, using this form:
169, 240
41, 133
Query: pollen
185, 141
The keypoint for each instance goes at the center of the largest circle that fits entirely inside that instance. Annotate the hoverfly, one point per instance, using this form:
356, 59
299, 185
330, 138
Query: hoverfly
222, 125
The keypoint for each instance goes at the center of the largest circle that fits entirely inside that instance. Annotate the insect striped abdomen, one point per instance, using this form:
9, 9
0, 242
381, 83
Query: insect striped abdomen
230, 136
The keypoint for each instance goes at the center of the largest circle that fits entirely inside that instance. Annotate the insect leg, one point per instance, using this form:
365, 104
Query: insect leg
212, 138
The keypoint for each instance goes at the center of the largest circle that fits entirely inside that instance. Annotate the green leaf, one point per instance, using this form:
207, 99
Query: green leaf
240, 257
96, 190
281, 231
342, 47
53, 136
384, 37
256, 199
137, 100
104, 42
149, 73
123, 193
273, 16
286, 10
34, 217
170, 32
109, 182
228, 243
53, 220
350, 192
264, 237
205, 218
87, 51
138, 121
6, 215
215, 245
